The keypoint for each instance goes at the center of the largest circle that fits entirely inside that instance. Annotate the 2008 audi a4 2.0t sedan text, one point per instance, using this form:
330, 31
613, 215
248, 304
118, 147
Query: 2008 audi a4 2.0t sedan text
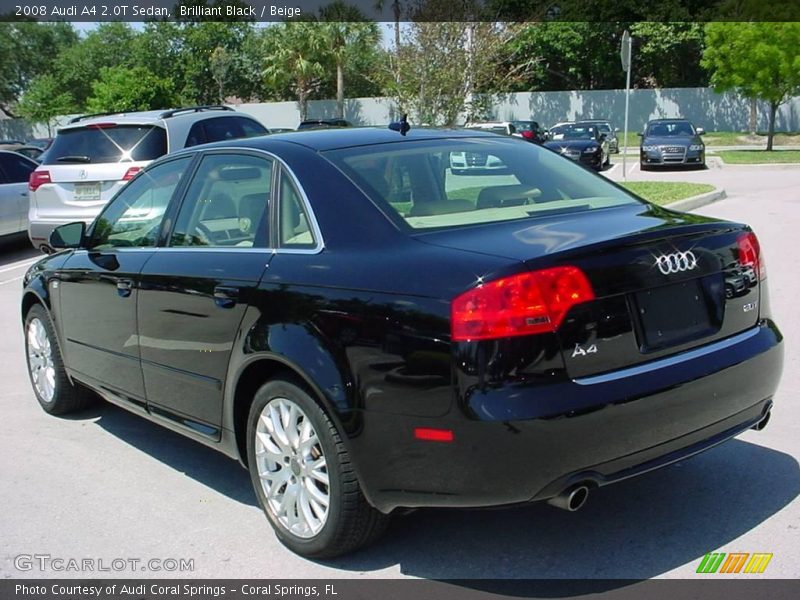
367, 331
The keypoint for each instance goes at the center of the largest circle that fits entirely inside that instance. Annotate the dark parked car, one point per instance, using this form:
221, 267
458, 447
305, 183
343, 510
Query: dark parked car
671, 143
581, 143
367, 331
604, 126
323, 124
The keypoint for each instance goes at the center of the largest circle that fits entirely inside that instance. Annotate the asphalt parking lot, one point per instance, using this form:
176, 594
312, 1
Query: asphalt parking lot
108, 485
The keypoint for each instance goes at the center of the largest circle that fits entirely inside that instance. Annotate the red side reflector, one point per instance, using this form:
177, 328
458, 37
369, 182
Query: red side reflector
523, 304
433, 435
131, 173
38, 178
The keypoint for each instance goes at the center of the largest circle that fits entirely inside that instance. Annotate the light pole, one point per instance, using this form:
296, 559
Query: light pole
625, 55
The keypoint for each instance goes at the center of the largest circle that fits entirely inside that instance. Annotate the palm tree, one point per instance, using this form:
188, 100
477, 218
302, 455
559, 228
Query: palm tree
294, 55
347, 33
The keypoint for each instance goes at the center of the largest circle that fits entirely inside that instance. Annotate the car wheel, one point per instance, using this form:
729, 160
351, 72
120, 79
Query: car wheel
303, 476
56, 394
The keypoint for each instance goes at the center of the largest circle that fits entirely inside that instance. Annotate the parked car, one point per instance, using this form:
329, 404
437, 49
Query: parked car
28, 151
581, 143
14, 172
93, 156
323, 124
671, 143
527, 130
367, 331
41, 143
604, 126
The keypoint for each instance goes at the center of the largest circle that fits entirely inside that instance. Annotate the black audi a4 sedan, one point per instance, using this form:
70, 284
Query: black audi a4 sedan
583, 143
671, 143
367, 331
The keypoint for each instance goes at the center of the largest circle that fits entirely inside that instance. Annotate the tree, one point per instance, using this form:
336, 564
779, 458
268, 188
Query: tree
121, 89
294, 57
445, 69
110, 45
28, 50
44, 100
347, 36
221, 63
759, 60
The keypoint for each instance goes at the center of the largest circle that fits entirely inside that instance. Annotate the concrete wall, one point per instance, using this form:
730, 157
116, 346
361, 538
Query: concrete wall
715, 112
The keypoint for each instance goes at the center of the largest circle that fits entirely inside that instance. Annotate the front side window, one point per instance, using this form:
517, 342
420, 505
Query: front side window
468, 181
226, 204
133, 218
16, 168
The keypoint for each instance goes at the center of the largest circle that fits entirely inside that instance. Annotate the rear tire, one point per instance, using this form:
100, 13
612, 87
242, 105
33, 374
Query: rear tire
56, 394
303, 477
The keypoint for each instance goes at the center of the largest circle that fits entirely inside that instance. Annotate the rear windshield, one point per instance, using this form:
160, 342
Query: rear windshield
468, 181
120, 143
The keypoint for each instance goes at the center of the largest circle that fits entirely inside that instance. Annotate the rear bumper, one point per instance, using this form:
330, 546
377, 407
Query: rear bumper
521, 443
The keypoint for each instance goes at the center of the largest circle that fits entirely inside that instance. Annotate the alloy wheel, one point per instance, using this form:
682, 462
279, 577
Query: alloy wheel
40, 360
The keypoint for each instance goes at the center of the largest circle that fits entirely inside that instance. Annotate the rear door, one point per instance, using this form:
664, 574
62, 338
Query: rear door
99, 285
195, 291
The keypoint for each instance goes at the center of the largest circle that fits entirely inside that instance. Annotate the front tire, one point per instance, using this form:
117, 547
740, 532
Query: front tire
56, 394
303, 477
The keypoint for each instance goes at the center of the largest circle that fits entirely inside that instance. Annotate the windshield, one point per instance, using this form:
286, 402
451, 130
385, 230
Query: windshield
526, 125
107, 144
468, 181
670, 129
580, 132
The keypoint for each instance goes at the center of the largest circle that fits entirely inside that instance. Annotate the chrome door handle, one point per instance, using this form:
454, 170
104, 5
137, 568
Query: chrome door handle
124, 287
226, 296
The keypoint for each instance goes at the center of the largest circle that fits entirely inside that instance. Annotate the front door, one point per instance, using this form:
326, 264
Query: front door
99, 284
195, 291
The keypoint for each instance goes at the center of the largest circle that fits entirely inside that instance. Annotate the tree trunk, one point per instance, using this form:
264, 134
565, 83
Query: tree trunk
302, 98
340, 88
753, 116
773, 109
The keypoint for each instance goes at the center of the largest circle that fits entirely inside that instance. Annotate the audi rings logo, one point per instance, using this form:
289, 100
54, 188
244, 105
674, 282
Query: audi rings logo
676, 262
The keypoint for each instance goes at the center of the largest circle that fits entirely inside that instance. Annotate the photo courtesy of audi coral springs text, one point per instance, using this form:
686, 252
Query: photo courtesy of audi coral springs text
368, 329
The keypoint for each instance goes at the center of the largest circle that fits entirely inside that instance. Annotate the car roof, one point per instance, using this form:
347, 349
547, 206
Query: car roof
675, 120
331, 139
151, 117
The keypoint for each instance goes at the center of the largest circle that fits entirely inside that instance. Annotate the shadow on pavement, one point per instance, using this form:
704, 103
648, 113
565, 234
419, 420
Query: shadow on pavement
17, 248
637, 529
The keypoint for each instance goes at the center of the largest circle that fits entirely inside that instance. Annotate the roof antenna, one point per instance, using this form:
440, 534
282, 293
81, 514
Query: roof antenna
402, 125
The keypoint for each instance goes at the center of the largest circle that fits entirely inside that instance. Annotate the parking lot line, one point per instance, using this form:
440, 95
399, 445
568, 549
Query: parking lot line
11, 280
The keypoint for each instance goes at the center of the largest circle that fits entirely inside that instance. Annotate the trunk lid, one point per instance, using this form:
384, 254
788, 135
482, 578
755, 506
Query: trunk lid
664, 281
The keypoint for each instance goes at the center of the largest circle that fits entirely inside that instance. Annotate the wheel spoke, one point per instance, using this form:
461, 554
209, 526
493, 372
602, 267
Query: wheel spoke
315, 492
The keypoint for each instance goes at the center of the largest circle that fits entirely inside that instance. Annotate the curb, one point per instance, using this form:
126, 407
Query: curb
697, 201
722, 163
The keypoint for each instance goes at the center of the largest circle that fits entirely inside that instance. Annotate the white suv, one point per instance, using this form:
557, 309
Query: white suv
93, 156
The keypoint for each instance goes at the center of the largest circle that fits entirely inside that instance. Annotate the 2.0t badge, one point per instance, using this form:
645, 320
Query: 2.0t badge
676, 262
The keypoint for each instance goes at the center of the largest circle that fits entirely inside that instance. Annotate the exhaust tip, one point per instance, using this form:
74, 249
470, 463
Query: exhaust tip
763, 422
571, 499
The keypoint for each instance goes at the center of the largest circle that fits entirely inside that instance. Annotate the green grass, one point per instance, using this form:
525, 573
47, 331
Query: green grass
756, 157
665, 192
740, 138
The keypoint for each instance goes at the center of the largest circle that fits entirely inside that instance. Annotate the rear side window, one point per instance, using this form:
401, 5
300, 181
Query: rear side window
223, 128
457, 182
226, 204
107, 144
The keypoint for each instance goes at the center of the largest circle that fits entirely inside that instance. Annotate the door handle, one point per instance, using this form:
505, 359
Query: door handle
124, 287
226, 296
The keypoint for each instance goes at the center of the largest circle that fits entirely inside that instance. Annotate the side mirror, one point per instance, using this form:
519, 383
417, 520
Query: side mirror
700, 131
70, 235
616, 129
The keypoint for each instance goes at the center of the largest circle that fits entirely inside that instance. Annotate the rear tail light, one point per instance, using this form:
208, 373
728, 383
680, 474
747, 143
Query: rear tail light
131, 173
101, 126
523, 304
38, 178
528, 135
750, 254
433, 435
